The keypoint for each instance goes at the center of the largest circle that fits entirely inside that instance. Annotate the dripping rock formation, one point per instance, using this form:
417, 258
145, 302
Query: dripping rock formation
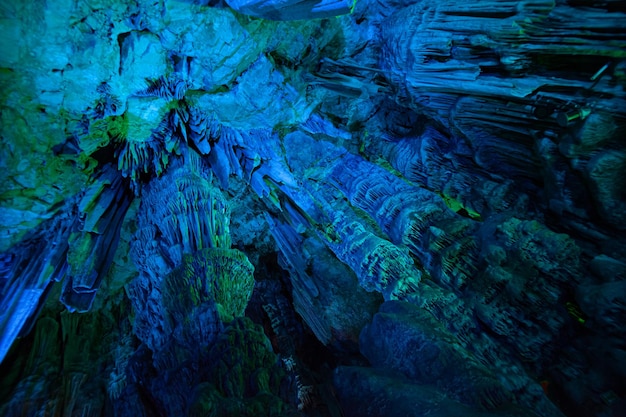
313, 208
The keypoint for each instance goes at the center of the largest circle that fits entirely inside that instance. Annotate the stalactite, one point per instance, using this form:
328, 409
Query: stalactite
102, 210
460, 163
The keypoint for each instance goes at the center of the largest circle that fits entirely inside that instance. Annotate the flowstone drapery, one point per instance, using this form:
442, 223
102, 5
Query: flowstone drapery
322, 208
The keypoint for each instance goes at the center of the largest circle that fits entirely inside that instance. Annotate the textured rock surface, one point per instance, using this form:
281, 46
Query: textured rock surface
418, 206
375, 392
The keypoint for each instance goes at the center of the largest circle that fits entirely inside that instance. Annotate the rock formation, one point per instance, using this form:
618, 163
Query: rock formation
313, 208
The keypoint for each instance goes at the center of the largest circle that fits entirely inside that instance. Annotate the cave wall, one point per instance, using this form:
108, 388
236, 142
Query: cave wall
315, 208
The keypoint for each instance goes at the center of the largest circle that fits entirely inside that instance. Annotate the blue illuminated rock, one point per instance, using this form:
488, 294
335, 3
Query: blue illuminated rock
167, 168
291, 9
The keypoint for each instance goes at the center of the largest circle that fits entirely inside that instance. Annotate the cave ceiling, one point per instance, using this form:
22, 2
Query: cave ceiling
315, 208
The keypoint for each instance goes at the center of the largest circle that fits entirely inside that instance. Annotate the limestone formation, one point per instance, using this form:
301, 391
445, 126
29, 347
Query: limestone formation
312, 208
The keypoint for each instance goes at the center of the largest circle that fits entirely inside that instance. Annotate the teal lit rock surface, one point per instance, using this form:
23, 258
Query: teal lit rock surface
313, 208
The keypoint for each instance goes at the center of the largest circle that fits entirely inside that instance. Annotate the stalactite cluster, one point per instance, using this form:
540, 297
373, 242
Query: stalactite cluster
313, 208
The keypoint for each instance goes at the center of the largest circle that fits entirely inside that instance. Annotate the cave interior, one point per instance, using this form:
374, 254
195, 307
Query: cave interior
324, 208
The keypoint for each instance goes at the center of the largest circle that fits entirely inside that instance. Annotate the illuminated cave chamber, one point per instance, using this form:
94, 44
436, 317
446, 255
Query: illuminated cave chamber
313, 208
